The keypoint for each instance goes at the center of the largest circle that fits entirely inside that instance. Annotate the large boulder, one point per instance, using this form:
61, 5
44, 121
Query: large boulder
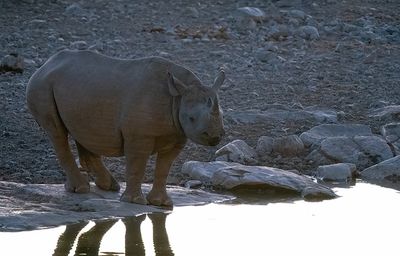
13, 63
203, 171
237, 151
389, 169
362, 151
391, 133
235, 176
288, 145
336, 172
313, 116
386, 114
317, 134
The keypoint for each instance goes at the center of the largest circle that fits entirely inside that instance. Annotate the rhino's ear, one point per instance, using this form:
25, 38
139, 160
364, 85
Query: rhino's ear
175, 86
219, 80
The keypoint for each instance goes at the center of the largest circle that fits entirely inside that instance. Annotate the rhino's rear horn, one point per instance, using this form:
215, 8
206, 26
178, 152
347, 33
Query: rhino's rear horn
219, 80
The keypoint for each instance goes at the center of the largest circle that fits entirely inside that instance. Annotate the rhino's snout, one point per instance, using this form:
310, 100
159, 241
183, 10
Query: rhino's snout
213, 140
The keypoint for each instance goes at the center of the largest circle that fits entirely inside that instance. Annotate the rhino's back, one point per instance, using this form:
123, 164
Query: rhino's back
101, 99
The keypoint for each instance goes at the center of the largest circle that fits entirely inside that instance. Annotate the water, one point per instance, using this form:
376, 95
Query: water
362, 221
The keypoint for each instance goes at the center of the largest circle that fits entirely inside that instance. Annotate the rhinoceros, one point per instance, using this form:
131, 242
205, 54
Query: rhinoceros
122, 107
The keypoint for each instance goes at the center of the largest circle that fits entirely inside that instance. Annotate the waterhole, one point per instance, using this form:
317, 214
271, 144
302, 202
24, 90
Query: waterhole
363, 220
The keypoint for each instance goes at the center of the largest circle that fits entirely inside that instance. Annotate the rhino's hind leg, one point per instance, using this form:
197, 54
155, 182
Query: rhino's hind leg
76, 181
93, 163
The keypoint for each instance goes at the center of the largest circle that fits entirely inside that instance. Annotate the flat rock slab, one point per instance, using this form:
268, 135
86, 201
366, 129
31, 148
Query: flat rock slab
33, 206
282, 115
234, 176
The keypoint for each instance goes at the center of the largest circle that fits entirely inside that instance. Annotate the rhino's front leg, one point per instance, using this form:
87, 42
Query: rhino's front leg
158, 194
137, 152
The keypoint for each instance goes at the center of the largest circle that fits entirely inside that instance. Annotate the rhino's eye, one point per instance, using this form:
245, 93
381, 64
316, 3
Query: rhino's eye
191, 119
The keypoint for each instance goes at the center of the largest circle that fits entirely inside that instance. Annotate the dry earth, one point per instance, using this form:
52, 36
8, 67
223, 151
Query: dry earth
352, 67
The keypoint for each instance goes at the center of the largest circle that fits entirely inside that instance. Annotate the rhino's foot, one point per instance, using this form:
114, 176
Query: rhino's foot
159, 198
109, 184
79, 184
135, 198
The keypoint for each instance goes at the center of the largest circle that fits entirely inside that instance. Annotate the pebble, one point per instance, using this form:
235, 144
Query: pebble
12, 62
309, 32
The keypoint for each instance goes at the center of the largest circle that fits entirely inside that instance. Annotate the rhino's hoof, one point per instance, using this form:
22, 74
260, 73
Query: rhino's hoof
137, 199
80, 188
111, 185
159, 199
78, 183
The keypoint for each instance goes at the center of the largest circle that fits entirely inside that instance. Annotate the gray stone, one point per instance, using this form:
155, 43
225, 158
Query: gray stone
79, 45
193, 184
386, 114
237, 151
297, 14
264, 145
252, 12
193, 12
362, 151
33, 206
391, 133
13, 63
203, 171
317, 134
317, 158
309, 32
337, 172
279, 32
282, 115
265, 55
288, 145
389, 169
75, 10
237, 176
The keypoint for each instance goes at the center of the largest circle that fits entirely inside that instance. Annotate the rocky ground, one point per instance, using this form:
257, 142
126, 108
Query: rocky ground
290, 65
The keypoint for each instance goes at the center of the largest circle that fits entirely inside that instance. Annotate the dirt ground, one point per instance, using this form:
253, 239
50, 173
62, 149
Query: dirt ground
351, 67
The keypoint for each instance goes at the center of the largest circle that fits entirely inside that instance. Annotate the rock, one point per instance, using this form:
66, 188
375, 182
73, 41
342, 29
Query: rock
79, 45
317, 134
253, 13
297, 14
362, 151
259, 177
282, 115
317, 158
264, 145
309, 32
193, 12
288, 3
288, 146
337, 172
388, 169
386, 114
391, 133
264, 55
193, 184
12, 63
33, 206
279, 32
75, 10
203, 171
237, 151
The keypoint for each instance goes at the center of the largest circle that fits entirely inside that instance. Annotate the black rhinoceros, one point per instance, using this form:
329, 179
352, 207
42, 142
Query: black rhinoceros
116, 107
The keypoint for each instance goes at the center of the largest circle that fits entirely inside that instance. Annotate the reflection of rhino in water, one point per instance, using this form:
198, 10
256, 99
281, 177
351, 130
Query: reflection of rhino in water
115, 107
89, 242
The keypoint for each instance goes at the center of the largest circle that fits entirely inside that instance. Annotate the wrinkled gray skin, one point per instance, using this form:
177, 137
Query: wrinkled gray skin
116, 107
